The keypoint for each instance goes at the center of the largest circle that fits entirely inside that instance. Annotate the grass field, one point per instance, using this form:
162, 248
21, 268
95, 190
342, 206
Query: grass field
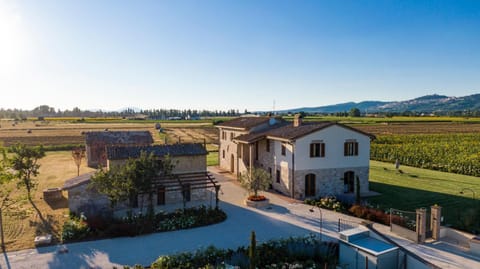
212, 158
67, 133
64, 133
23, 222
416, 188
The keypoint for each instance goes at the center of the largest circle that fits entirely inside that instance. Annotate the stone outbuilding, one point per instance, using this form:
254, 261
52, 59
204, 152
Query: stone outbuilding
190, 181
96, 144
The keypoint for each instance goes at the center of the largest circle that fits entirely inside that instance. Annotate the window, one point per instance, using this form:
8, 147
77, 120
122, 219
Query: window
278, 176
317, 150
284, 150
224, 135
231, 136
223, 154
350, 148
161, 195
270, 172
267, 149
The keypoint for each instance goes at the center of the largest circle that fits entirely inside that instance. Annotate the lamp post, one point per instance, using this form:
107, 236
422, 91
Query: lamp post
321, 219
468, 189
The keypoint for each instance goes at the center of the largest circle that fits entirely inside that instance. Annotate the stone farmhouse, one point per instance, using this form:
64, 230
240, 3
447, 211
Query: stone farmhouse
304, 159
189, 182
96, 144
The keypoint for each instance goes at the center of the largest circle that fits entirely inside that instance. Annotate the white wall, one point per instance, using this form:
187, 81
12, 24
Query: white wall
279, 158
334, 138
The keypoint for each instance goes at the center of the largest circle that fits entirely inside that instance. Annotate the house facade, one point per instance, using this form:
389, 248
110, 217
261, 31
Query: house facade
309, 159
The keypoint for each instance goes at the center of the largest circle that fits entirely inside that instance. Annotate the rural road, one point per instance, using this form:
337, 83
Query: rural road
285, 218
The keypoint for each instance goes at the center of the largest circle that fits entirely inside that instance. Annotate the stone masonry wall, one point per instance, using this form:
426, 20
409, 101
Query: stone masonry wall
329, 181
85, 200
82, 199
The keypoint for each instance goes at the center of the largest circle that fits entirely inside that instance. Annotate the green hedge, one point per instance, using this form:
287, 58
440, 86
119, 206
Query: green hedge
293, 252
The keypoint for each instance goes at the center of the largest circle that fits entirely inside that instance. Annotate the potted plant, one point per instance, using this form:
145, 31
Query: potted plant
254, 181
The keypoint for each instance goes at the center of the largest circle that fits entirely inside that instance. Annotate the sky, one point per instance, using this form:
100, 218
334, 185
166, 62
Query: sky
243, 54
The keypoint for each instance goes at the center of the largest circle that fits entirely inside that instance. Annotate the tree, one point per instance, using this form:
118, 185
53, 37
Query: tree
24, 163
143, 171
252, 251
255, 180
354, 112
78, 154
122, 183
5, 191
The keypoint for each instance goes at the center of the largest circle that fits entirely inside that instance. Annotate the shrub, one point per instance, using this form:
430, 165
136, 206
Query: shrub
75, 229
329, 202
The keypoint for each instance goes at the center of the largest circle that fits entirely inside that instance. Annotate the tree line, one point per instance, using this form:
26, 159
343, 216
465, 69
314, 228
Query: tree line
156, 114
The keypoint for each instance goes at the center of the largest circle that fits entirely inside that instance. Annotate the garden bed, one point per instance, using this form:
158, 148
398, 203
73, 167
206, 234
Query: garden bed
78, 229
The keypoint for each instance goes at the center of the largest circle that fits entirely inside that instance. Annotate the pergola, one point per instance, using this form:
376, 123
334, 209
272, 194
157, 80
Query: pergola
185, 182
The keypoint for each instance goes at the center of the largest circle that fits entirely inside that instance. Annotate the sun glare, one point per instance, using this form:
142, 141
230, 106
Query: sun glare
12, 39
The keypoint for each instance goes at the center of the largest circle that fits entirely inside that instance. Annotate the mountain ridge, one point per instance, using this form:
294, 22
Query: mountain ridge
433, 103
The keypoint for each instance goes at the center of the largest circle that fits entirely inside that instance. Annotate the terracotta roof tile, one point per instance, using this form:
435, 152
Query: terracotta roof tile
119, 152
244, 122
119, 137
288, 132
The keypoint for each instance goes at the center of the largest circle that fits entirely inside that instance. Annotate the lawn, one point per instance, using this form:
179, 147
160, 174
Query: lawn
414, 188
212, 158
24, 221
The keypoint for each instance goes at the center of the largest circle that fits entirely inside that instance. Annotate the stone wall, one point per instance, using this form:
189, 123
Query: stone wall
192, 163
229, 148
329, 181
86, 200
89, 202
96, 155
174, 197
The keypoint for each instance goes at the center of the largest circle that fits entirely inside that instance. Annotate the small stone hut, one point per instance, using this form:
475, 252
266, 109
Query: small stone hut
96, 144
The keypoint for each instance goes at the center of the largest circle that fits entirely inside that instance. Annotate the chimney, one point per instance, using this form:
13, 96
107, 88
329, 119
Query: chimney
271, 119
297, 120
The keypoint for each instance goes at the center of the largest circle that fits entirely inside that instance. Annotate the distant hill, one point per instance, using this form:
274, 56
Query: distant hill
426, 104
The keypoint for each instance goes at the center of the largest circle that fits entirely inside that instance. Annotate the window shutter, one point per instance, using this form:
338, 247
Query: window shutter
345, 149
311, 150
322, 147
356, 148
